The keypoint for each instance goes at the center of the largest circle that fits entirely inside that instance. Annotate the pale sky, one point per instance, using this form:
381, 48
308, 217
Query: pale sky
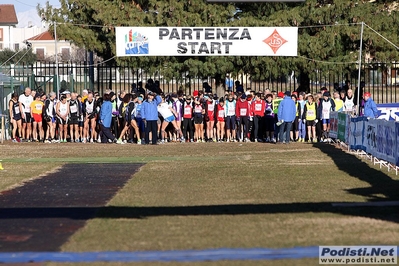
26, 5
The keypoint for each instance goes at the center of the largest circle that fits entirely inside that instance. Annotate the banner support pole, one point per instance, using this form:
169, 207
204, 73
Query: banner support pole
360, 69
56, 60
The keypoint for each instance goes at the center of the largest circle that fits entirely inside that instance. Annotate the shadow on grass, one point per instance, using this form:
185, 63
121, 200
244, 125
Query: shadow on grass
388, 213
382, 187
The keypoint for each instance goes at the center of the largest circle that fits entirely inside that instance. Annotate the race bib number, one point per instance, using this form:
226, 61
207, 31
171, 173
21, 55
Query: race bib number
349, 106
230, 112
74, 109
221, 113
211, 107
89, 109
243, 112
198, 109
310, 113
38, 107
258, 107
326, 114
187, 111
27, 105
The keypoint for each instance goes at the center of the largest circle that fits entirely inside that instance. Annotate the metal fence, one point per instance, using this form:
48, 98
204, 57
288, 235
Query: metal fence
381, 79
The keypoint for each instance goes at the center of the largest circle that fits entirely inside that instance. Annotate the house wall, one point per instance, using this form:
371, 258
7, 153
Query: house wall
7, 35
22, 34
49, 47
15, 37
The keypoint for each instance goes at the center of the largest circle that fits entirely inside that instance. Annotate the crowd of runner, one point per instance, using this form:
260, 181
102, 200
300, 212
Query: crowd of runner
152, 117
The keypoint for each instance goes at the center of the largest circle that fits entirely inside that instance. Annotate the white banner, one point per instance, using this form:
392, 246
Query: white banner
206, 41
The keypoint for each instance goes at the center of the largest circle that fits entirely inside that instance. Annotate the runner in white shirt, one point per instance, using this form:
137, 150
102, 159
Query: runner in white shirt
62, 111
89, 117
169, 116
178, 108
327, 105
349, 104
230, 114
24, 105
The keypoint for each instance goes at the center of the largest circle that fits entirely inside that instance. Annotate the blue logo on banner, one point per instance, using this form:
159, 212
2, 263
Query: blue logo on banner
136, 43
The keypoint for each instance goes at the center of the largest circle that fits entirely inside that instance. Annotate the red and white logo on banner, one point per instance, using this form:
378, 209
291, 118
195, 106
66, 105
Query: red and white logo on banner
275, 41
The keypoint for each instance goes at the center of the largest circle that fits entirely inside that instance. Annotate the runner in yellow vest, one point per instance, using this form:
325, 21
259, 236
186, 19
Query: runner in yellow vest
309, 117
339, 103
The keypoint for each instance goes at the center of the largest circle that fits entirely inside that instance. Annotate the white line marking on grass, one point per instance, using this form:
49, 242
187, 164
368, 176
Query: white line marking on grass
239, 159
366, 204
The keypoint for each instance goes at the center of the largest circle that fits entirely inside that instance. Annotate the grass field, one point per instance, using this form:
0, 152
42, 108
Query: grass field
227, 195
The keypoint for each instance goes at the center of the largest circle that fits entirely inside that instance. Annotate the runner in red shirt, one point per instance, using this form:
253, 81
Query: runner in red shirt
188, 118
220, 116
242, 115
210, 117
199, 112
258, 111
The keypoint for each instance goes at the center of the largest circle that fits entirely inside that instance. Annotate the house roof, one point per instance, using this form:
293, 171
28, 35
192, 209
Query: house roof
44, 36
8, 15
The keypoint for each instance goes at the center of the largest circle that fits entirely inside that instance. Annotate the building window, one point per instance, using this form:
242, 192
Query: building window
16, 46
1, 35
40, 53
